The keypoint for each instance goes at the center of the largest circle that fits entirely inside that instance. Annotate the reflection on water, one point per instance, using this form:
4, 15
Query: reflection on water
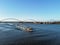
44, 34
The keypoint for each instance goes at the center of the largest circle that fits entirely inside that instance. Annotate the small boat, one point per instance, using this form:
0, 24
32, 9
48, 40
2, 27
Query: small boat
24, 28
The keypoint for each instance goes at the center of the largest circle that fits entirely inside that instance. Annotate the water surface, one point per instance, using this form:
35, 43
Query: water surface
43, 34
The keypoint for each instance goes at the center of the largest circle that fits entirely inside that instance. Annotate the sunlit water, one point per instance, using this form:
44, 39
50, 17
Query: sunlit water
43, 34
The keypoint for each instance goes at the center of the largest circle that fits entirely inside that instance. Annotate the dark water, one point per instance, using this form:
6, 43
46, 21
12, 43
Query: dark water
43, 34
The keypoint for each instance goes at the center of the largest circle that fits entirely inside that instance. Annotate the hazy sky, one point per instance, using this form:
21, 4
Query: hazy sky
30, 9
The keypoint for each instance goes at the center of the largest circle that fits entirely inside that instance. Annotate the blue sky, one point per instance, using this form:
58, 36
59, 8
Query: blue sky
30, 9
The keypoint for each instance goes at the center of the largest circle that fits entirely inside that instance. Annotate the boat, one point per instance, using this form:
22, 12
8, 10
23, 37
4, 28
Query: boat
24, 28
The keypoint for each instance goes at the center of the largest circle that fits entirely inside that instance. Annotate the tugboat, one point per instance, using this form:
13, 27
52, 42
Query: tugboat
24, 28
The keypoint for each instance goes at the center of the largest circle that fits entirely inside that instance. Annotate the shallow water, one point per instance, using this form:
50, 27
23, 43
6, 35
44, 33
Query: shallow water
43, 34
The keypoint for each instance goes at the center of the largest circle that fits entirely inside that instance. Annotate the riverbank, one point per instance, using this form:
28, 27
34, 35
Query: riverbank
32, 22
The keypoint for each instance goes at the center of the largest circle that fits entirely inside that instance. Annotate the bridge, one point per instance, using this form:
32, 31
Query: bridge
10, 20
14, 20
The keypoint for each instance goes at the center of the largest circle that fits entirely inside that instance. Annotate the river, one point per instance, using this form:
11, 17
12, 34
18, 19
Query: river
43, 34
